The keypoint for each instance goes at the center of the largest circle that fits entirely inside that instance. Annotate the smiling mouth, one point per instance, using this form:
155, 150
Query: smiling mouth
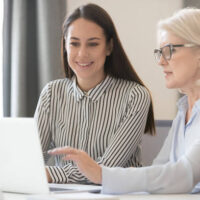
84, 65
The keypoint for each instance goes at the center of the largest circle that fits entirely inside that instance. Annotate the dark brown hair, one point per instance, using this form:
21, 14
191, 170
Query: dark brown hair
117, 64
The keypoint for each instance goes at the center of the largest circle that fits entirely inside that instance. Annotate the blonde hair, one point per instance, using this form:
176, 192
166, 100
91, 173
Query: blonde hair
185, 24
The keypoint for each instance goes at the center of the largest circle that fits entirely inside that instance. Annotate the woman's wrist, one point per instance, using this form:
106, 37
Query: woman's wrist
49, 179
99, 175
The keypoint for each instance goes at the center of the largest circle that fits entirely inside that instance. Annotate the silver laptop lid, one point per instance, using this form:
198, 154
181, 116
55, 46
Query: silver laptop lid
22, 165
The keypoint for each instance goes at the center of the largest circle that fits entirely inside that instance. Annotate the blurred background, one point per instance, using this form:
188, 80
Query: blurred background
31, 41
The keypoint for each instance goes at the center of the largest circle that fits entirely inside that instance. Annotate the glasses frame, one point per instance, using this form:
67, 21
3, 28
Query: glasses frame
159, 52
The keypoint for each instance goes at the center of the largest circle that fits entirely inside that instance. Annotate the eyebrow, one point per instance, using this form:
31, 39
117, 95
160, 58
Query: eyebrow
90, 39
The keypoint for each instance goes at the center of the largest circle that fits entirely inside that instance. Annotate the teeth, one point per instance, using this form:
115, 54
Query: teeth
84, 64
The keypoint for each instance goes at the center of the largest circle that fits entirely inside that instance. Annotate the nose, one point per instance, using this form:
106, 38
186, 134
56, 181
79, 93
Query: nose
83, 51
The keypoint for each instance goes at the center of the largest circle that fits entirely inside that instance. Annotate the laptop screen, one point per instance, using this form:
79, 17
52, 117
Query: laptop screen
22, 166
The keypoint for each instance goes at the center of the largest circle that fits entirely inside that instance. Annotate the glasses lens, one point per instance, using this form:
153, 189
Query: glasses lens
166, 52
157, 54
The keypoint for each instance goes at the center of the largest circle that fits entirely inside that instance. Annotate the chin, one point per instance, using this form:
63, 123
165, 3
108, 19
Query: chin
171, 85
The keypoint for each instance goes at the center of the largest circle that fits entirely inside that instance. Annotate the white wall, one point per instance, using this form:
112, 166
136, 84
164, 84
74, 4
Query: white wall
1, 58
136, 22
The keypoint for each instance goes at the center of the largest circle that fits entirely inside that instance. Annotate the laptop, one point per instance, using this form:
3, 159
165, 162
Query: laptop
22, 168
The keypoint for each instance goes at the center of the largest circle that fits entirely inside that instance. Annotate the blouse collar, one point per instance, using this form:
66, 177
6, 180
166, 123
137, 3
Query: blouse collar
95, 93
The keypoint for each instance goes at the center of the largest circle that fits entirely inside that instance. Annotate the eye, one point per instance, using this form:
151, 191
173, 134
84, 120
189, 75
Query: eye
75, 44
93, 44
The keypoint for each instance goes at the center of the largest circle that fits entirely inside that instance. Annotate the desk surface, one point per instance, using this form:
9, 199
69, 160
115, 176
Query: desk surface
12, 196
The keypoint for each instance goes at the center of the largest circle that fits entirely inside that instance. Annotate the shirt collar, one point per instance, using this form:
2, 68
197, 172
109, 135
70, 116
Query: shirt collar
183, 103
95, 93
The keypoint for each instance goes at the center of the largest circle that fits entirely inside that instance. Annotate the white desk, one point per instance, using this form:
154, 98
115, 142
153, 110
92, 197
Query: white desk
10, 196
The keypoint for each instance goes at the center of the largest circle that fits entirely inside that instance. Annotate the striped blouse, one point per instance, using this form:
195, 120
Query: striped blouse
107, 122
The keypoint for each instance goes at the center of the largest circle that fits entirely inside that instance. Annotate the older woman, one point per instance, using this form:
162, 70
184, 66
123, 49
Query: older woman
177, 167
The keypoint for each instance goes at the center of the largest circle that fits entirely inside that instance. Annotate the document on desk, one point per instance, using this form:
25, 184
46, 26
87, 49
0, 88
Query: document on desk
73, 196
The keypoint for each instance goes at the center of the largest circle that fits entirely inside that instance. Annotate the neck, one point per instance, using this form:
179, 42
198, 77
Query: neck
191, 100
87, 84
193, 95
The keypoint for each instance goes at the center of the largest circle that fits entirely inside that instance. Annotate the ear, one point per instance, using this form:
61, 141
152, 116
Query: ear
109, 47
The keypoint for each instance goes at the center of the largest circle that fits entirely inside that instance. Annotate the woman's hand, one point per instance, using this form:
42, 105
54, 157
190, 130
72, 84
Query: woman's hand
85, 164
48, 176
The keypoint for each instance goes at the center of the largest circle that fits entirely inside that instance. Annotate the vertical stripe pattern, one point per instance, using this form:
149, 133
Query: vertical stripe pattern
107, 123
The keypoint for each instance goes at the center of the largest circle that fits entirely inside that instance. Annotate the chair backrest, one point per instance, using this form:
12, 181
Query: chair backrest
151, 145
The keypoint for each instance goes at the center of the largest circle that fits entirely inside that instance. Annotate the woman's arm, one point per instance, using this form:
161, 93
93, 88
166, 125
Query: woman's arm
128, 135
85, 164
172, 177
42, 117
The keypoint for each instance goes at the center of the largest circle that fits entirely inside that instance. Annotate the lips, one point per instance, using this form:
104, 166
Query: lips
84, 64
167, 73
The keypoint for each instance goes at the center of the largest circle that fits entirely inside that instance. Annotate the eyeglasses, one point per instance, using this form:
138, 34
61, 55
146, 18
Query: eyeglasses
167, 51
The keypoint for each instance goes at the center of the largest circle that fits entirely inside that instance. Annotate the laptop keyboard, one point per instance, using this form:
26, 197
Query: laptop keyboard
56, 189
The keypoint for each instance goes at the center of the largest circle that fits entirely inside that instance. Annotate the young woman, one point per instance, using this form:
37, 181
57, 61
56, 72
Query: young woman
101, 107
177, 167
